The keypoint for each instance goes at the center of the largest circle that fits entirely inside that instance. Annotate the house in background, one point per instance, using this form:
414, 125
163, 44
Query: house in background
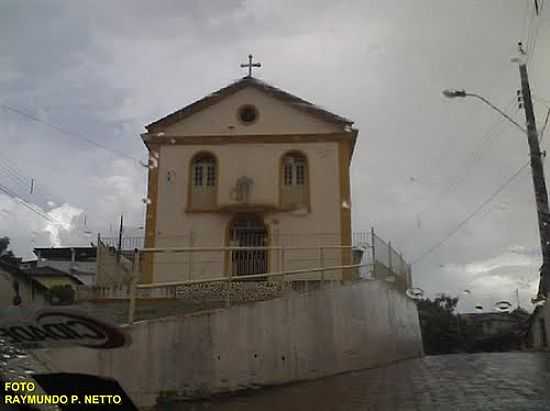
79, 262
29, 290
248, 165
50, 277
538, 336
496, 331
491, 324
35, 285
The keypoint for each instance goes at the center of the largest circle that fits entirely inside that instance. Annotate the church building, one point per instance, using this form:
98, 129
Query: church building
249, 165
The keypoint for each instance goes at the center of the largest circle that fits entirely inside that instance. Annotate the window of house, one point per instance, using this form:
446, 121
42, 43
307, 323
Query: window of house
204, 173
203, 182
294, 190
294, 170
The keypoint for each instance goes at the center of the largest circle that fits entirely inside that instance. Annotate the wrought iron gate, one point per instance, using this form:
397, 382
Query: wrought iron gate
248, 231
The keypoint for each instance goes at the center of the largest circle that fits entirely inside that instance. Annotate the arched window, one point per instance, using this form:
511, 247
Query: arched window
203, 182
294, 181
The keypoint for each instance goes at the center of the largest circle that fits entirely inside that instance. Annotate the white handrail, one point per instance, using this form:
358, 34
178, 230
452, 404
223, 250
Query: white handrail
186, 249
250, 276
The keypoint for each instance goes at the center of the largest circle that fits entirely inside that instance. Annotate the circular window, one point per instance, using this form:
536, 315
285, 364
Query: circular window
248, 114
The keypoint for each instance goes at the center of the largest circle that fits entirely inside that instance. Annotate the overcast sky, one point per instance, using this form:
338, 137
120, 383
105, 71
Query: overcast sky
102, 70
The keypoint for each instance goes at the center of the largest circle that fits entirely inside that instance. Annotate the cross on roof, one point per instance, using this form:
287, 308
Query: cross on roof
250, 65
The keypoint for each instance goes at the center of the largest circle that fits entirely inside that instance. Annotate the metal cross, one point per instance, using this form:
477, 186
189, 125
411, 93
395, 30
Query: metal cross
250, 65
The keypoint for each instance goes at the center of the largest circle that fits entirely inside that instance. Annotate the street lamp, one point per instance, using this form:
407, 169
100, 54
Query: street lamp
539, 182
452, 93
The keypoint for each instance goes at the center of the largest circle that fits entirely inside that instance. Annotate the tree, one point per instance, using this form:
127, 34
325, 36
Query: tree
6, 254
440, 325
4, 245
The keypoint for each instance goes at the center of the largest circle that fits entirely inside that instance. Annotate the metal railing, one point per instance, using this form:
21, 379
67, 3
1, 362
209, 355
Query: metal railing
385, 259
200, 262
283, 264
283, 278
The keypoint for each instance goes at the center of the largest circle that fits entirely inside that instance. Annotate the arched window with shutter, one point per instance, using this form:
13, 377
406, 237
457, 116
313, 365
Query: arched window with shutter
203, 182
294, 181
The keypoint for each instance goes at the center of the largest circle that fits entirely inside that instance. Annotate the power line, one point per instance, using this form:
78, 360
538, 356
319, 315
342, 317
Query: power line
29, 206
14, 175
471, 215
61, 130
543, 129
21, 181
524, 28
474, 158
534, 27
478, 209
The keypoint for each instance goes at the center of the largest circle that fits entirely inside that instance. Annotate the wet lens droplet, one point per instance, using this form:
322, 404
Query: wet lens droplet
415, 293
503, 306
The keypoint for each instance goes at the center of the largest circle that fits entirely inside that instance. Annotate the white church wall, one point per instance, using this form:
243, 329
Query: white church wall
176, 226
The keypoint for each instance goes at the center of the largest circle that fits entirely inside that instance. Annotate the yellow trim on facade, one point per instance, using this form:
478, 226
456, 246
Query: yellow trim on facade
344, 159
247, 139
151, 216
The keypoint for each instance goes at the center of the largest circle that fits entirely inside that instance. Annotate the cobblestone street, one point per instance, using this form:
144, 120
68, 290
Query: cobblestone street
500, 381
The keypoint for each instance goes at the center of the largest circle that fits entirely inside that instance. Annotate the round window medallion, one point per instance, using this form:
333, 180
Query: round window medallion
248, 114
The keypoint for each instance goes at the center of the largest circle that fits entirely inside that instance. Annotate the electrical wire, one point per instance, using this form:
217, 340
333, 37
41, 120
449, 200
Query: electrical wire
474, 158
524, 27
63, 131
543, 129
535, 23
22, 182
478, 209
457, 228
29, 206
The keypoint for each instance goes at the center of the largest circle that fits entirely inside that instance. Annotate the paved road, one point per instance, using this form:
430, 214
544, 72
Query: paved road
500, 381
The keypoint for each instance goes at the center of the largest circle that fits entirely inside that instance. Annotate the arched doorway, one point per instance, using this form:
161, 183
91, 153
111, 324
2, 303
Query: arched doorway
248, 230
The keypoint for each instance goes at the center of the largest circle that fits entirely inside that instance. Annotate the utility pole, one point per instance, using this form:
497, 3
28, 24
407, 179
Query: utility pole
539, 183
119, 248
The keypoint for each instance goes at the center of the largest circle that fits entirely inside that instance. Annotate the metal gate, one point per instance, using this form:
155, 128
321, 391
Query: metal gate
248, 231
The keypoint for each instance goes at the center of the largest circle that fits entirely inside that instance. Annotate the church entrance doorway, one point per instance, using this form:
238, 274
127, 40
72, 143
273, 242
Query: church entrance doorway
248, 230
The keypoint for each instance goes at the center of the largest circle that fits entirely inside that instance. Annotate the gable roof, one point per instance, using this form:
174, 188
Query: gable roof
232, 88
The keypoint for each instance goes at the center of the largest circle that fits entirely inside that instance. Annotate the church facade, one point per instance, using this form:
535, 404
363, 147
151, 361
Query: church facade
250, 165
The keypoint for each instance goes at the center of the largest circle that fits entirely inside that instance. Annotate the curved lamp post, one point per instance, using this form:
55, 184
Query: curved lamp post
451, 93
539, 182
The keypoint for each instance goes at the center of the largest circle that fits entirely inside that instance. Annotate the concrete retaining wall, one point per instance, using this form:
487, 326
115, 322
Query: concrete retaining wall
296, 337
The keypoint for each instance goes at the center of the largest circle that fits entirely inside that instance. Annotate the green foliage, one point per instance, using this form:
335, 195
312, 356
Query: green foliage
440, 325
4, 248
